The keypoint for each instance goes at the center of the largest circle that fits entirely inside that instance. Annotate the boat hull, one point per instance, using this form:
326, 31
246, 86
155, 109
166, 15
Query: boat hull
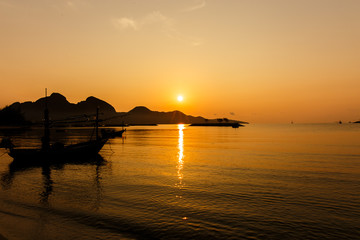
112, 134
81, 150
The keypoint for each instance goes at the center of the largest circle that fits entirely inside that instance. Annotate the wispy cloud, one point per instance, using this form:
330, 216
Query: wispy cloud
137, 24
155, 18
125, 23
198, 5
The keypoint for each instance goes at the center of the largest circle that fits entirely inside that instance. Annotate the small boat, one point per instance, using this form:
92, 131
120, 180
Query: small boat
56, 152
112, 133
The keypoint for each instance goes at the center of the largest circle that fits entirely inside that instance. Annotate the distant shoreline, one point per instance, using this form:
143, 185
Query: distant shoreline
234, 125
63, 112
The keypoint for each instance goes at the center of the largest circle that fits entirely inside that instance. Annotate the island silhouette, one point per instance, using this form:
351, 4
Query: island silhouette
61, 108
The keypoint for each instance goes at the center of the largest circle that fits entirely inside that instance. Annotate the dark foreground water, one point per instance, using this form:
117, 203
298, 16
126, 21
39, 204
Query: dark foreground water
181, 182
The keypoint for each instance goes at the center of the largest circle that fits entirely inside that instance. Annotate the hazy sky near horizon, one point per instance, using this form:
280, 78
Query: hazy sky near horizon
254, 60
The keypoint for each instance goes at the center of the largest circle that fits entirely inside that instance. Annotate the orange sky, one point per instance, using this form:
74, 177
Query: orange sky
258, 61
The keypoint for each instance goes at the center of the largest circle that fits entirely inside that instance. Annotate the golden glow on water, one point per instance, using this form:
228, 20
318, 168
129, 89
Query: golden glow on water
244, 177
180, 164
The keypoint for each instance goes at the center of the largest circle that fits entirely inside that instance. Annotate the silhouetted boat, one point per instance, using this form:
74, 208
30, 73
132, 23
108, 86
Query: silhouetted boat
56, 151
112, 133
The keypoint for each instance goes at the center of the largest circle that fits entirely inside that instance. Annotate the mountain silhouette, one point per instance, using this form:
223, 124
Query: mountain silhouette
143, 115
140, 110
60, 108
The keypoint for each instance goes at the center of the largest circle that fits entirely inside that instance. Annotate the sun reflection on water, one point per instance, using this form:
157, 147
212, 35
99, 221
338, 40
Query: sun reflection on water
180, 163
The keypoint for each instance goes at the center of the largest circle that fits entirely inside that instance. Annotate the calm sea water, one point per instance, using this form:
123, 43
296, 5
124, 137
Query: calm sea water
181, 182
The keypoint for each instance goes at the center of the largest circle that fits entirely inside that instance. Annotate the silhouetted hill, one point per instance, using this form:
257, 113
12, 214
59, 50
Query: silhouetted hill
143, 115
140, 110
60, 108
11, 117
90, 102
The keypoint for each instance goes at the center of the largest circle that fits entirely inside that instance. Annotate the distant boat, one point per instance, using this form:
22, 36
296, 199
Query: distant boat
56, 151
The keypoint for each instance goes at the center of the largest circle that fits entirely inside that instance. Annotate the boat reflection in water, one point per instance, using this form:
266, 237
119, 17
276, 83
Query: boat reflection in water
17, 167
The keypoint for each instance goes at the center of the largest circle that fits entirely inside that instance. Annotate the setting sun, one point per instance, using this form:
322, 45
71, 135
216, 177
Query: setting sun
180, 98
